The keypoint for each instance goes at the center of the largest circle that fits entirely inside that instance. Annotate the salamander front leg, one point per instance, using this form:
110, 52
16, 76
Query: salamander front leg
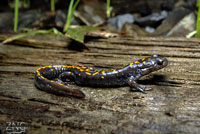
132, 83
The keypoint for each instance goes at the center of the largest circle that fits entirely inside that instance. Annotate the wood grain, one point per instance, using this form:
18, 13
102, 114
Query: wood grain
172, 107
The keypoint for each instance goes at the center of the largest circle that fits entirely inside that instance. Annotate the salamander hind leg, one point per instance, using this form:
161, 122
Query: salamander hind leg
132, 83
66, 77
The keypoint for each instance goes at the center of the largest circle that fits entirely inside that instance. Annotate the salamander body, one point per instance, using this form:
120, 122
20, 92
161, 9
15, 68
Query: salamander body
84, 76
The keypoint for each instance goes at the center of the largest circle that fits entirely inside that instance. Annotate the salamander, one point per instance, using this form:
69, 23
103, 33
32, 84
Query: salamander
85, 76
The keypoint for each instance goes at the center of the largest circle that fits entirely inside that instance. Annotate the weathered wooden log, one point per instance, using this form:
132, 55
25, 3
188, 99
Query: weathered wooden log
173, 106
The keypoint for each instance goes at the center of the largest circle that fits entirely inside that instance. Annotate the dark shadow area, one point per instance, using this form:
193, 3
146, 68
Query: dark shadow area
77, 46
158, 80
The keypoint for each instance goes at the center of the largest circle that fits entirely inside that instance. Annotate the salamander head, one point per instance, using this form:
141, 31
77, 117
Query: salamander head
151, 64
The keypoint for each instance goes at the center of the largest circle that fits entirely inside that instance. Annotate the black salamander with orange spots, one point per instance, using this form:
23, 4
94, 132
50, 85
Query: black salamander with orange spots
84, 76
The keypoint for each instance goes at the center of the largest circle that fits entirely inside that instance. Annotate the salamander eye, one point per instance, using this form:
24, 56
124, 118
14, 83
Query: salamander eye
160, 62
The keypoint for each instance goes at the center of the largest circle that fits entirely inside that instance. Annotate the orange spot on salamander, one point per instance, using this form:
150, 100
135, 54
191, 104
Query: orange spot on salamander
137, 62
88, 73
114, 70
131, 63
88, 70
38, 72
60, 84
103, 72
84, 67
95, 73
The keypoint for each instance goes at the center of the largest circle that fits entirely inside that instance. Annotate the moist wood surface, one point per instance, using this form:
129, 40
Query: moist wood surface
173, 106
